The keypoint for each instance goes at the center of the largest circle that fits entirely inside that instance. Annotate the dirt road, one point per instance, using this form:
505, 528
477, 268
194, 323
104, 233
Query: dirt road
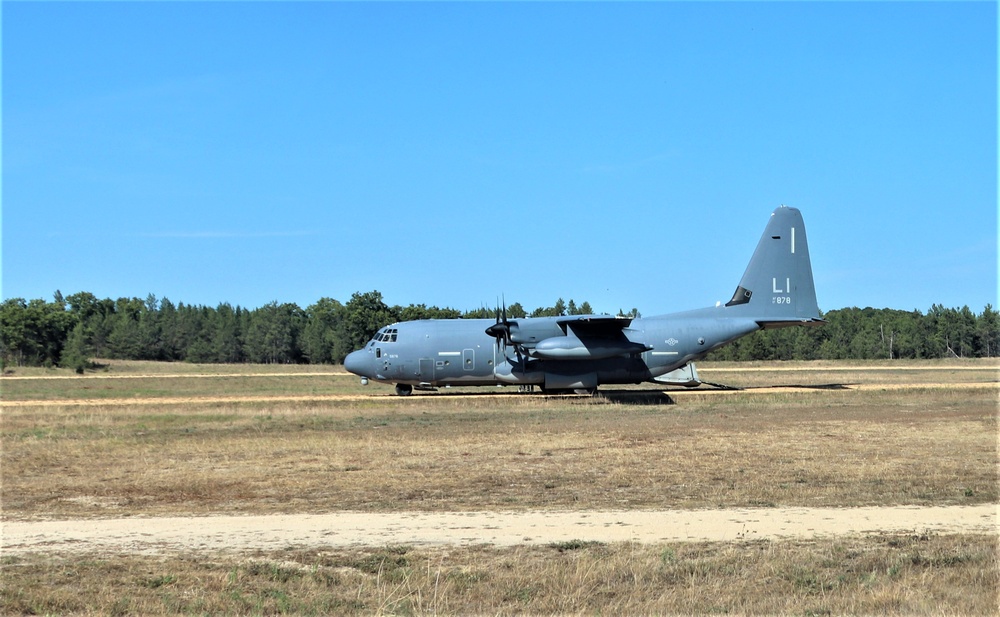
349, 529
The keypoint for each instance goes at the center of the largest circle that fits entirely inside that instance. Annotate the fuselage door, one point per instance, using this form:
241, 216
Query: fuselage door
426, 369
469, 359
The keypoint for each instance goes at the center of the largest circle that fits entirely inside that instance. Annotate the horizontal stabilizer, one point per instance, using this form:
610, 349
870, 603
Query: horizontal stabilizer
786, 323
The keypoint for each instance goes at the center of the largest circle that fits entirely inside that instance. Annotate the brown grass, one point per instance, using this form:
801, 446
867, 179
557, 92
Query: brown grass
915, 574
715, 449
821, 445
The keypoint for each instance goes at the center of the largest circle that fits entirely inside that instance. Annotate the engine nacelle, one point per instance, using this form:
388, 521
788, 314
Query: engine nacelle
515, 373
573, 348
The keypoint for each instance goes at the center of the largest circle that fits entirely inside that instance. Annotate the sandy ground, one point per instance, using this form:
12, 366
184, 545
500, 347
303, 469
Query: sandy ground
353, 529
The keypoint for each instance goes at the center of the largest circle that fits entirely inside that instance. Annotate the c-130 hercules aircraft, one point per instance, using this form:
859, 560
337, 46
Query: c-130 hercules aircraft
580, 352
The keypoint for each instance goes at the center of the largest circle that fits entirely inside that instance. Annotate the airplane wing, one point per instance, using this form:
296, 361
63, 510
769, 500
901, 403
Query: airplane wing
597, 326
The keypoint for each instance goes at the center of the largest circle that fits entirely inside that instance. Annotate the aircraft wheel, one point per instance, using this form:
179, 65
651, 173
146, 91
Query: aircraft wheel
403, 389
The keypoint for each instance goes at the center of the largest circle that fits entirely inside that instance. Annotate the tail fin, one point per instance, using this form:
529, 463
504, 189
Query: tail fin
777, 288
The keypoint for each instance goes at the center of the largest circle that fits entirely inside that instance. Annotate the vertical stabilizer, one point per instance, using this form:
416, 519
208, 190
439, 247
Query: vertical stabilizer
777, 288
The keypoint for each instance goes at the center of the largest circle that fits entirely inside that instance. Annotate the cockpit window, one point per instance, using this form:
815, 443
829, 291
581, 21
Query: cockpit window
386, 335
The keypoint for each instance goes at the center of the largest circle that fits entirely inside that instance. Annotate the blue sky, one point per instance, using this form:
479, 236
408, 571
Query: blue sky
451, 153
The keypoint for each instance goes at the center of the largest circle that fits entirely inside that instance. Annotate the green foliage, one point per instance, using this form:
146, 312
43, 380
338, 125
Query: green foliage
34, 333
71, 330
273, 334
560, 309
575, 545
322, 332
516, 311
76, 354
876, 334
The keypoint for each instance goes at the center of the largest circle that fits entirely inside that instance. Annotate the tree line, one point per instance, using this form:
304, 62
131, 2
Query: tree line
70, 331
872, 334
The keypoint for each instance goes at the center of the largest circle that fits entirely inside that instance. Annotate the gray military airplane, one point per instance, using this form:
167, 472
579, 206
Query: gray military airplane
578, 353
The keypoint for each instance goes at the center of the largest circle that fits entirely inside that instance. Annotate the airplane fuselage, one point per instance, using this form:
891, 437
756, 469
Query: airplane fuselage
453, 352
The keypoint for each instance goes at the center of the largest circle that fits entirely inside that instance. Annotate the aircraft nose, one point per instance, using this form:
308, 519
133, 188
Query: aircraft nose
357, 362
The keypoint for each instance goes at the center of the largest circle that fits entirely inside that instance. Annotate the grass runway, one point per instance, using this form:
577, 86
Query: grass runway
205, 441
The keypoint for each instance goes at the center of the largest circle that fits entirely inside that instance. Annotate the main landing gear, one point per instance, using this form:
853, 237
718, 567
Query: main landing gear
403, 389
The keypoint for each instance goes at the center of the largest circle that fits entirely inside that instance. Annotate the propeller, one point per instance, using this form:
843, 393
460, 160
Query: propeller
501, 329
501, 332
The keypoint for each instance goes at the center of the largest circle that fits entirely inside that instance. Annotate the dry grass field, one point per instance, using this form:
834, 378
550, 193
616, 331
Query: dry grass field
148, 440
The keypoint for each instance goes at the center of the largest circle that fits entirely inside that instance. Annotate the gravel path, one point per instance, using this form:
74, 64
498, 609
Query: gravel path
351, 529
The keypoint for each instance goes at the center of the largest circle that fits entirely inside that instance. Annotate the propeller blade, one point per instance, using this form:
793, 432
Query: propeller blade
501, 329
